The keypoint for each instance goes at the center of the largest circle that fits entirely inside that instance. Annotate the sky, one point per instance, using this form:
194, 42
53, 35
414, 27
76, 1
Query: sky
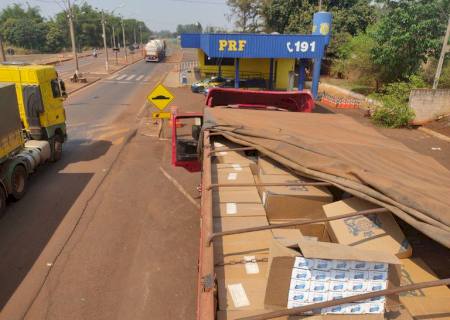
157, 14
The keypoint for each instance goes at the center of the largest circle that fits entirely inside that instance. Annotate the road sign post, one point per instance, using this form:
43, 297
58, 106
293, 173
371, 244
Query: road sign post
160, 97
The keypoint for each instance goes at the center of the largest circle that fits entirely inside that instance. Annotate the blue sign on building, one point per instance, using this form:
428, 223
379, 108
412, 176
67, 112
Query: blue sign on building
294, 46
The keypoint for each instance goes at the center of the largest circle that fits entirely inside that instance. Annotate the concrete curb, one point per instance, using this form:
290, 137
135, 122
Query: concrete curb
434, 134
98, 79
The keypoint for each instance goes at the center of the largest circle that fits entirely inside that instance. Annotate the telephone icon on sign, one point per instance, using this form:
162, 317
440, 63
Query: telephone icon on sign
289, 47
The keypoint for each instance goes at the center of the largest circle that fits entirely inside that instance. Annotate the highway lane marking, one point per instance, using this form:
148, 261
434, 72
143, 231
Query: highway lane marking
121, 77
140, 77
130, 77
113, 77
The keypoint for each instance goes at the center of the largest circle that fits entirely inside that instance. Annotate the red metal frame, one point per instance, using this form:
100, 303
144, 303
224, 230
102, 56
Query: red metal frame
191, 166
295, 101
206, 304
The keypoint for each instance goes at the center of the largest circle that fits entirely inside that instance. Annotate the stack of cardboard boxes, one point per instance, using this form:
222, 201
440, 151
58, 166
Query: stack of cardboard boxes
283, 268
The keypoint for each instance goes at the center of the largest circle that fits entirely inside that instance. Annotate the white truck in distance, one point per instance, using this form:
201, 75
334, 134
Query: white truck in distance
155, 50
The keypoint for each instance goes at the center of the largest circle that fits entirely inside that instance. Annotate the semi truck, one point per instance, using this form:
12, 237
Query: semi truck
32, 124
155, 50
40, 96
289, 197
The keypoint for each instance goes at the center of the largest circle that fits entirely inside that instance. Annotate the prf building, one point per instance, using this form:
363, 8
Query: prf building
276, 58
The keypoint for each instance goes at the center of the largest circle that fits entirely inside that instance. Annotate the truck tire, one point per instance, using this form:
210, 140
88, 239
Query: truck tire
57, 148
19, 179
2, 201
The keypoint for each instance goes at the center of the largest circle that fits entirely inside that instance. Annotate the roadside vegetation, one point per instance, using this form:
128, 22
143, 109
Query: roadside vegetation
25, 28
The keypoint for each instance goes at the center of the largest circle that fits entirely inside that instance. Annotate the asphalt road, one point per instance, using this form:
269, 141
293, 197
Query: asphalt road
35, 231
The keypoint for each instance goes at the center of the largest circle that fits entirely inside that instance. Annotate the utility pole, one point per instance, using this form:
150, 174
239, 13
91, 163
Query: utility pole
72, 37
445, 49
2, 51
140, 33
320, 5
124, 42
134, 33
104, 42
114, 37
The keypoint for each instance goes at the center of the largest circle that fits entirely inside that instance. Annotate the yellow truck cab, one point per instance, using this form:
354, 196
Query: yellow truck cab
40, 96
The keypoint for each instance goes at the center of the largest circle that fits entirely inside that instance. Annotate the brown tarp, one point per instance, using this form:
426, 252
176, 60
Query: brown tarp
355, 158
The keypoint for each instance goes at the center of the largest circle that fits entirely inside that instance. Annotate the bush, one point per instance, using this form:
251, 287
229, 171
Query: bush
395, 111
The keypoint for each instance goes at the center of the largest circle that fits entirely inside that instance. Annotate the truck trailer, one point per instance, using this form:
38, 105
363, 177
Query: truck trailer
19, 156
155, 50
299, 213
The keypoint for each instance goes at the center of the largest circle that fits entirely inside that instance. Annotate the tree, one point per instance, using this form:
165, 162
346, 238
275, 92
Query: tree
289, 16
23, 27
407, 34
189, 28
247, 14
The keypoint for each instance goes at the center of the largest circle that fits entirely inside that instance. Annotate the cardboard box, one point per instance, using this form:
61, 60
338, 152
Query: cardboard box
235, 223
235, 247
282, 261
233, 157
237, 209
231, 175
293, 202
415, 270
372, 232
266, 166
427, 308
239, 195
313, 231
238, 290
287, 237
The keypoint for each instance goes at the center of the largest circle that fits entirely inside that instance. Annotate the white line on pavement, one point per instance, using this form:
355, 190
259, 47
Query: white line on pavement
130, 77
113, 76
140, 77
121, 77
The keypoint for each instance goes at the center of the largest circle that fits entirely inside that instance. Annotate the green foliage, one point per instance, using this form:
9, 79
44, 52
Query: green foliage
246, 14
444, 80
25, 27
355, 61
289, 16
189, 28
395, 111
406, 35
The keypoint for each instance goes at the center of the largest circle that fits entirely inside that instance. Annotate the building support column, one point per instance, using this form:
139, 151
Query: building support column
236, 73
301, 74
316, 77
271, 74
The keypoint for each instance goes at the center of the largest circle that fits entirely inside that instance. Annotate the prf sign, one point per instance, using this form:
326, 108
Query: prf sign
232, 45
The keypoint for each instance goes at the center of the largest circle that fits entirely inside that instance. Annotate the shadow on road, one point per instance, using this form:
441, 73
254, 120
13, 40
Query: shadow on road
28, 224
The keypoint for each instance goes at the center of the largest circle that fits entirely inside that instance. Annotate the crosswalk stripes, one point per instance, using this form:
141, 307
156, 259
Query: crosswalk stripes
121, 77
129, 78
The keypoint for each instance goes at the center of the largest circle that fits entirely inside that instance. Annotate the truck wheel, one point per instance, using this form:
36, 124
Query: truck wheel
19, 182
57, 148
2, 201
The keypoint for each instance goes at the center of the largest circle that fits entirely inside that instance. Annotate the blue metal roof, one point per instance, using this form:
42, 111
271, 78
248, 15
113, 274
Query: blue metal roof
241, 45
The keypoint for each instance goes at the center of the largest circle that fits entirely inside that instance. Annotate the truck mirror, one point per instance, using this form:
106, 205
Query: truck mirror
62, 86
185, 134
196, 129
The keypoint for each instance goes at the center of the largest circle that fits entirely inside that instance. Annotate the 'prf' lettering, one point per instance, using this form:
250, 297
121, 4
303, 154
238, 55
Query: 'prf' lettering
232, 45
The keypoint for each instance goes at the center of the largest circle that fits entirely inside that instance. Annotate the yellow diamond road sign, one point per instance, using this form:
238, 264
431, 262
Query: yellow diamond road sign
160, 97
